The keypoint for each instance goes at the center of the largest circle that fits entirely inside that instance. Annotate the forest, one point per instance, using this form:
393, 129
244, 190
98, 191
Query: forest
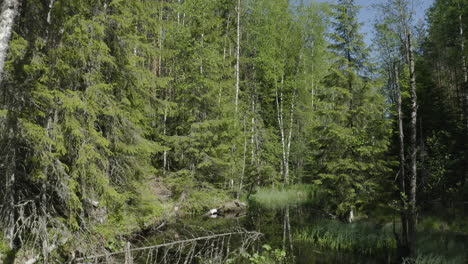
123, 121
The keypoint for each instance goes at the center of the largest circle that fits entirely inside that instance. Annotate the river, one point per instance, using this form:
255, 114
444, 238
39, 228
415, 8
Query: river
294, 234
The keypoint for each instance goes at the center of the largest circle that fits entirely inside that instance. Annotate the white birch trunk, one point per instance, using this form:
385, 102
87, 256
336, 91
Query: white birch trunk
243, 162
238, 54
7, 17
404, 219
464, 67
178, 13
279, 107
413, 178
201, 59
252, 130
164, 133
462, 45
312, 94
51, 4
285, 139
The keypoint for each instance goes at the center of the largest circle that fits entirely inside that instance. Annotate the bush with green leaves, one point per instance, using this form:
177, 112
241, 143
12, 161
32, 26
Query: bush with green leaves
268, 255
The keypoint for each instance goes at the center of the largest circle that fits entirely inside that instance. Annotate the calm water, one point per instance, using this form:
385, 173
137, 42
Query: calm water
280, 229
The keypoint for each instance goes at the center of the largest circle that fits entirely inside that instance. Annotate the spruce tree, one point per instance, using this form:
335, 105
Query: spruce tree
354, 133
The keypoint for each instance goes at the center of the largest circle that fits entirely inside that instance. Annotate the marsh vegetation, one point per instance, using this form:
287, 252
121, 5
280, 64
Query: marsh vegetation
296, 230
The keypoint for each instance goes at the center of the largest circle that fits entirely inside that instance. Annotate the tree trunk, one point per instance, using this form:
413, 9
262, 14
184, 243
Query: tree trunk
279, 96
238, 55
288, 148
51, 4
243, 162
164, 133
287, 235
402, 188
464, 89
11, 211
413, 178
464, 67
280, 113
252, 130
7, 17
462, 47
128, 254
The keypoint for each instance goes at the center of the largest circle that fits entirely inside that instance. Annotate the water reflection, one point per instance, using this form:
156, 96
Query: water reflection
306, 235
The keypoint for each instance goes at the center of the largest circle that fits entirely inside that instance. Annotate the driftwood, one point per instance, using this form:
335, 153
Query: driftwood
233, 207
128, 250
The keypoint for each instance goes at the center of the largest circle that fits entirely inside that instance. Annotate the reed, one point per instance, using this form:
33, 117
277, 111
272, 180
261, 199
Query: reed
433, 247
434, 259
360, 237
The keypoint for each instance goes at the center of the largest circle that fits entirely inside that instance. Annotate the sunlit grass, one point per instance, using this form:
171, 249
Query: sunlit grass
281, 197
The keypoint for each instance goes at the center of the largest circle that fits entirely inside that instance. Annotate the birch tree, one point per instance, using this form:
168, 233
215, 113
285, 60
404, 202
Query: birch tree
9, 11
389, 48
397, 17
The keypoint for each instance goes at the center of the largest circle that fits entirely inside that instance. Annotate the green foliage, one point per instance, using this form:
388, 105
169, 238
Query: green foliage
443, 105
103, 98
349, 153
4, 248
203, 199
266, 256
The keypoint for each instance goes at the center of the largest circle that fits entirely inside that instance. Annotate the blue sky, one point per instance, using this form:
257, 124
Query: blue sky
368, 13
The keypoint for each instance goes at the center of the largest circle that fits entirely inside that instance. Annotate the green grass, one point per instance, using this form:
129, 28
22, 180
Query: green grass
434, 246
359, 237
458, 224
3, 247
273, 198
3, 244
433, 259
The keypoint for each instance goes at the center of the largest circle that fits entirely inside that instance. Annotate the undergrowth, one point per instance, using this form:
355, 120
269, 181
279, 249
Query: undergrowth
202, 200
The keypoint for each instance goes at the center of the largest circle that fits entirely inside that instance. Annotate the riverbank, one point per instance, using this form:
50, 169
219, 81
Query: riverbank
105, 232
289, 219
305, 235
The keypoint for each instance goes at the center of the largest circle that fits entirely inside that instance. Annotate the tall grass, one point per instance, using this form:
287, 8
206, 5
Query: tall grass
273, 198
371, 239
434, 259
361, 238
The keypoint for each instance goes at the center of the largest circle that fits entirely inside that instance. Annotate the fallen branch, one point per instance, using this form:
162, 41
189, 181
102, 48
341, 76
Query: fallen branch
170, 244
